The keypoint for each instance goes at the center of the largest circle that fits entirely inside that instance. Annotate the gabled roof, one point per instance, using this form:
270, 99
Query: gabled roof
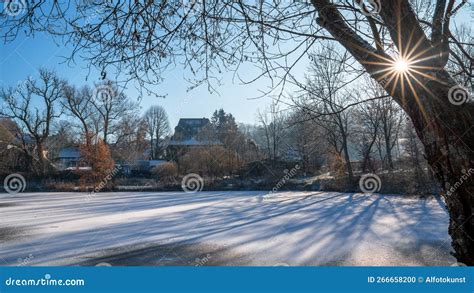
192, 142
188, 128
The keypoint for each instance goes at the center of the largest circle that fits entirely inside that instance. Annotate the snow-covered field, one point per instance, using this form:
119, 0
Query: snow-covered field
222, 228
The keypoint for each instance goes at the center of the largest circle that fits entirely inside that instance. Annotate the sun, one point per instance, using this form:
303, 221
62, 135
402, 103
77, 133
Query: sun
401, 65
405, 70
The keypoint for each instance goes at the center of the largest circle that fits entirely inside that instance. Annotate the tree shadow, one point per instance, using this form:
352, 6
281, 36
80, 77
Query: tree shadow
237, 229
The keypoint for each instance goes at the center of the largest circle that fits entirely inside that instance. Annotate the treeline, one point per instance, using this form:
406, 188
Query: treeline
327, 131
43, 115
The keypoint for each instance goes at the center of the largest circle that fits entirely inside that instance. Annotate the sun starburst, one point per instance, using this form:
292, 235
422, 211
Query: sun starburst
401, 65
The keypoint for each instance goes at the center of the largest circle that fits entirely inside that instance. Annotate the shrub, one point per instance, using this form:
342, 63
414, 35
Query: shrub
98, 157
166, 172
212, 161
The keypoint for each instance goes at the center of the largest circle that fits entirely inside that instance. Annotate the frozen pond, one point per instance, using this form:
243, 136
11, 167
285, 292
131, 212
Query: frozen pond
222, 228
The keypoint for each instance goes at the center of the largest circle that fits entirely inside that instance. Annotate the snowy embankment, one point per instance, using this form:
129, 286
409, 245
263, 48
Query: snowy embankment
222, 228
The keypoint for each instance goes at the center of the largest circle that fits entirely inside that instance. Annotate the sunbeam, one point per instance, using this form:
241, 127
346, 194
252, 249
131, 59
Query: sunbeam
401, 66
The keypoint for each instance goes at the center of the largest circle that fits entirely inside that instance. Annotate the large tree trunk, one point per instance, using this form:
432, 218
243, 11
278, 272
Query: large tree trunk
445, 130
448, 139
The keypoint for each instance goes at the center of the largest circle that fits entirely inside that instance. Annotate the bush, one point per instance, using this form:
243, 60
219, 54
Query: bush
166, 172
97, 156
212, 161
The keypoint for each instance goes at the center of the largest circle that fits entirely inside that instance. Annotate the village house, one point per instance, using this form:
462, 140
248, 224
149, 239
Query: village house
189, 133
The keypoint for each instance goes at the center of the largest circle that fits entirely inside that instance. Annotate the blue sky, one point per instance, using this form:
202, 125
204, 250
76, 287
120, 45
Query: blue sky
26, 55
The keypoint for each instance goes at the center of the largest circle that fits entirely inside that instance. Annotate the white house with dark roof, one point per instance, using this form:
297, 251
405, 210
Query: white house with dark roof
188, 134
69, 159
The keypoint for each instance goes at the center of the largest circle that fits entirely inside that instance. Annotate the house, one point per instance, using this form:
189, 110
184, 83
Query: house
188, 128
12, 138
190, 133
70, 159
11, 133
8, 131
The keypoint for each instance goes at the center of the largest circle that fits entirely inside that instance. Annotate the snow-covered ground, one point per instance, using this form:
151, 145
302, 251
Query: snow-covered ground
222, 228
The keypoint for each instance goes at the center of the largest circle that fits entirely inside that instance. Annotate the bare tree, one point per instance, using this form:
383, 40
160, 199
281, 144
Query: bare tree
462, 69
79, 104
251, 148
368, 124
9, 156
391, 119
307, 139
34, 106
326, 99
111, 105
412, 148
273, 126
158, 127
144, 38
130, 139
